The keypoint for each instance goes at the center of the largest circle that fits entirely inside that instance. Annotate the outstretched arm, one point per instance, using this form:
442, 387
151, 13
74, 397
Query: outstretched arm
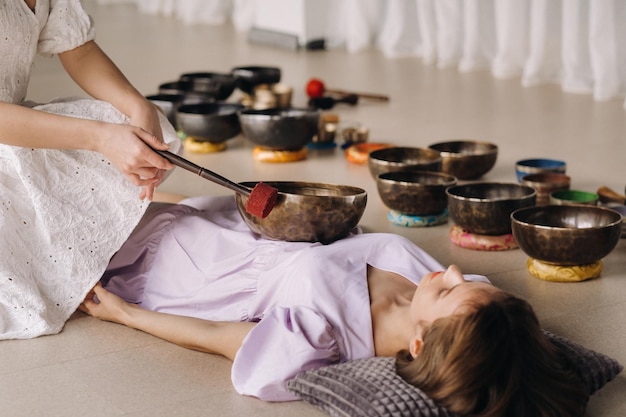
224, 338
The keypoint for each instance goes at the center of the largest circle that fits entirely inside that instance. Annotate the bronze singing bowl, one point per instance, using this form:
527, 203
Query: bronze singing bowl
398, 158
416, 193
466, 159
308, 212
279, 128
485, 208
566, 235
209, 122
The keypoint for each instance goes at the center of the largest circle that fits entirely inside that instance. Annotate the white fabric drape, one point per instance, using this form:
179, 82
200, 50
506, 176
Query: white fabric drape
579, 44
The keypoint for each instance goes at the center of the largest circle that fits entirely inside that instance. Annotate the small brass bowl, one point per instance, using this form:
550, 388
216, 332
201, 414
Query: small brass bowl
466, 159
563, 197
545, 183
538, 165
485, 208
567, 235
308, 212
399, 158
416, 193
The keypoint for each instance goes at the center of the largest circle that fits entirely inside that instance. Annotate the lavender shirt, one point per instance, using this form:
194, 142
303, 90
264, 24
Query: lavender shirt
311, 301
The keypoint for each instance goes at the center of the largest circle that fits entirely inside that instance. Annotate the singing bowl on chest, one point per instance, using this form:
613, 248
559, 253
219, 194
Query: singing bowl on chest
307, 211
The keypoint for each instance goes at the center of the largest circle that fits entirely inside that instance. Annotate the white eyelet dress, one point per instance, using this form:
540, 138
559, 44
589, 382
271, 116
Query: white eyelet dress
63, 214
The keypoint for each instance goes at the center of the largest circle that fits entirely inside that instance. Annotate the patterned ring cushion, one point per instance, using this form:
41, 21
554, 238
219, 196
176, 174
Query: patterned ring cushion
371, 387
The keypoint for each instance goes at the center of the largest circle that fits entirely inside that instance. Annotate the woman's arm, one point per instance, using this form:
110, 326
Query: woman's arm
224, 338
97, 75
123, 145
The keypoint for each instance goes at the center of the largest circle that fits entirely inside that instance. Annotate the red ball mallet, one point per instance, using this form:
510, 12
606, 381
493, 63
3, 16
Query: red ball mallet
261, 199
315, 88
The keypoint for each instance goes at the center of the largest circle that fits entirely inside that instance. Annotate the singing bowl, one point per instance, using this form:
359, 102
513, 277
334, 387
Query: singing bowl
248, 78
308, 211
415, 193
209, 122
485, 208
466, 159
279, 128
538, 165
545, 183
566, 235
398, 158
217, 85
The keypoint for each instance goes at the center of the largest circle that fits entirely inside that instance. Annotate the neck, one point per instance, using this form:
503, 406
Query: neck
390, 301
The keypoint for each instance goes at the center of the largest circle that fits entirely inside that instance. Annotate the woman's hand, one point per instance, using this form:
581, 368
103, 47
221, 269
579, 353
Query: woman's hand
109, 307
224, 338
145, 115
128, 148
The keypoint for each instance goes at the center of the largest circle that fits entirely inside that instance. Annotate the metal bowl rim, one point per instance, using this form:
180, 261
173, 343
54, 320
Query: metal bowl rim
532, 192
492, 148
449, 180
616, 223
355, 191
217, 106
259, 114
374, 155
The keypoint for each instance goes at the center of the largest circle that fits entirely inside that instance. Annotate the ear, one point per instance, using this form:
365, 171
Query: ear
415, 346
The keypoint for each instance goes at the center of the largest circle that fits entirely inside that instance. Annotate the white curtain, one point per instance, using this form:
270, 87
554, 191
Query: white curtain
579, 44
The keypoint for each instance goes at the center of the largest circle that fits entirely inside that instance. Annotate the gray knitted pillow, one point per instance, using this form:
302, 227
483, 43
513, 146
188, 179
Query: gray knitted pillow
371, 387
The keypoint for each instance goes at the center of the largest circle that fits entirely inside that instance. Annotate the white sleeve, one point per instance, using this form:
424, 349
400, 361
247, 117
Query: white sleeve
68, 27
285, 342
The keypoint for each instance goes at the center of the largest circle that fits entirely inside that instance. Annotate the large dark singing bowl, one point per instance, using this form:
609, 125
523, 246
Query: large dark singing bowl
485, 208
217, 85
247, 78
308, 212
399, 158
185, 89
209, 122
567, 235
415, 193
466, 159
279, 128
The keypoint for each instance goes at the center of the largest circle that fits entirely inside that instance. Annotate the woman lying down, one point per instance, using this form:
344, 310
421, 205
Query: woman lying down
194, 274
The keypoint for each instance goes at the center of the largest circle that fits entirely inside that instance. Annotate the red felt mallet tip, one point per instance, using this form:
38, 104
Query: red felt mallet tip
316, 88
262, 200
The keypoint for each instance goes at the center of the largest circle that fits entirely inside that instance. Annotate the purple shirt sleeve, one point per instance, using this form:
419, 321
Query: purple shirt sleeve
285, 342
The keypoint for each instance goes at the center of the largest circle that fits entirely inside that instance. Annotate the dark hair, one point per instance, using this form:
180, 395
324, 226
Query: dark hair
494, 361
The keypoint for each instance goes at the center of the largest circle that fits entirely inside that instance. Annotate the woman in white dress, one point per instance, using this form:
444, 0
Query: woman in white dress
74, 173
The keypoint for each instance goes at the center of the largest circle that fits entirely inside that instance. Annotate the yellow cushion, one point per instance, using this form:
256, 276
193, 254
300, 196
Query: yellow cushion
558, 273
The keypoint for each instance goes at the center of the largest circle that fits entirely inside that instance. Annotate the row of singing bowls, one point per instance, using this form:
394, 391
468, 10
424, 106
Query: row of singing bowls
307, 211
280, 128
463, 159
485, 208
567, 235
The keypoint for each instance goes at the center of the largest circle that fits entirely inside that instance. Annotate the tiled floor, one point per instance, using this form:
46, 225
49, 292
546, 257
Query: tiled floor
100, 369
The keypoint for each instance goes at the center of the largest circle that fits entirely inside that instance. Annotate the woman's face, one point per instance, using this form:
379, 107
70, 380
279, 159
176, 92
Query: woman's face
441, 294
